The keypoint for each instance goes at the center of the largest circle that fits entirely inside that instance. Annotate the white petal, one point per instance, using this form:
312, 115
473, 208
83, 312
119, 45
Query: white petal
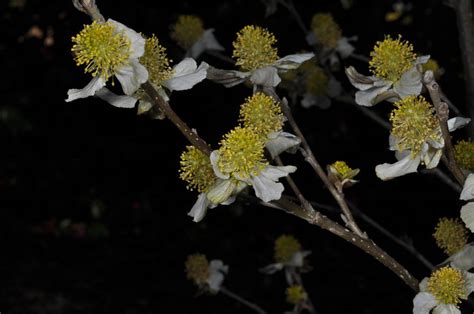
421, 60
200, 208
266, 76
89, 90
220, 191
409, 84
404, 166
423, 303
344, 48
283, 142
214, 158
276, 172
432, 157
469, 282
292, 61
467, 215
132, 76
463, 259
456, 123
297, 260
217, 269
136, 40
272, 268
369, 97
266, 189
360, 81
446, 309
210, 41
186, 75
120, 101
424, 284
468, 188
228, 78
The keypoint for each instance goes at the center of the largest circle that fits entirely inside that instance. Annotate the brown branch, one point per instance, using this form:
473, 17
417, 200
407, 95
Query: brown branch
164, 107
366, 245
442, 112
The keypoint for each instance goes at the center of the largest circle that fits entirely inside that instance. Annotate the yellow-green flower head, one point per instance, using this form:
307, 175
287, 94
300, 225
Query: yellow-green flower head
317, 81
391, 58
241, 153
285, 247
343, 171
262, 114
197, 269
187, 30
448, 285
101, 48
326, 30
450, 235
431, 65
156, 61
413, 123
196, 169
254, 49
295, 294
464, 154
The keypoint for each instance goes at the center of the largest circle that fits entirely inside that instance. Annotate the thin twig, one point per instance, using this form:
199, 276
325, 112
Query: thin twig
442, 112
366, 245
290, 6
239, 299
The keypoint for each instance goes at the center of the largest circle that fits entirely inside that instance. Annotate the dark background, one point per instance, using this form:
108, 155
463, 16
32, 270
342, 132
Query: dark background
58, 160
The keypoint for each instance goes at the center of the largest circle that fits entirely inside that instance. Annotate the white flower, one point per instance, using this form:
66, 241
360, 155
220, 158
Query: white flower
430, 153
373, 89
217, 270
130, 73
426, 300
265, 184
205, 43
185, 75
222, 192
266, 76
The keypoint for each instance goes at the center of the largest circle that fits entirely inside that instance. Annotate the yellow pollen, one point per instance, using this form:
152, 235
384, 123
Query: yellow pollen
464, 154
254, 49
343, 170
196, 169
317, 81
241, 153
295, 294
326, 30
262, 114
448, 285
156, 61
391, 58
450, 235
413, 123
187, 30
285, 247
197, 269
101, 48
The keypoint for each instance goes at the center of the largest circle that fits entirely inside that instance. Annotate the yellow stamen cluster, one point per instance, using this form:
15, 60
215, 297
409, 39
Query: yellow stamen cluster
391, 58
326, 30
197, 269
317, 81
343, 170
450, 235
295, 294
413, 123
196, 169
448, 285
285, 247
156, 61
101, 48
241, 153
187, 30
254, 49
464, 154
262, 114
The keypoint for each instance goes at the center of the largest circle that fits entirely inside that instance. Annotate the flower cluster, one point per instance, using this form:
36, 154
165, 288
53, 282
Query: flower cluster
208, 276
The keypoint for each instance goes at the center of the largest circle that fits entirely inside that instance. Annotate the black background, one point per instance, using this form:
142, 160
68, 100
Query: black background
57, 158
